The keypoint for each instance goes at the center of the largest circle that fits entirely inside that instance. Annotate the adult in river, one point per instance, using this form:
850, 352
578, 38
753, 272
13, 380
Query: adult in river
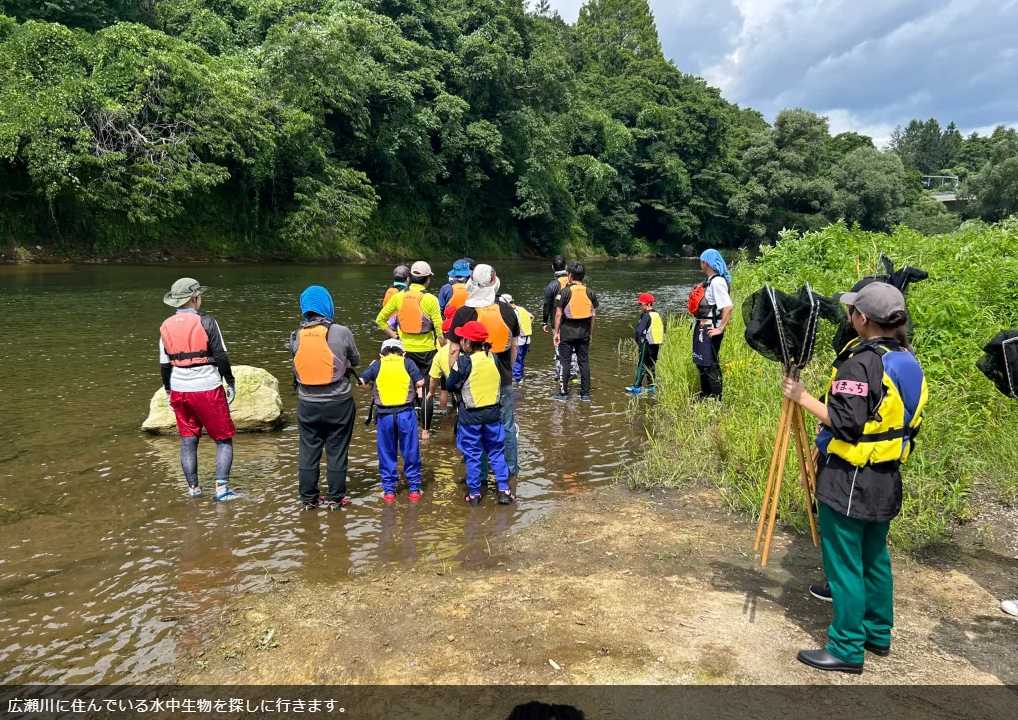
575, 310
324, 355
193, 364
420, 321
400, 281
454, 292
869, 417
712, 318
551, 291
503, 335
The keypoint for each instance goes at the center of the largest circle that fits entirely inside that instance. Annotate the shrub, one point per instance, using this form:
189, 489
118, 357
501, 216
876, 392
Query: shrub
968, 439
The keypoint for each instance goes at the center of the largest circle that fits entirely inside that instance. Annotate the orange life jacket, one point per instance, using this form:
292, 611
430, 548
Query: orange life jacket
499, 334
411, 316
185, 341
459, 296
389, 292
563, 280
314, 361
580, 307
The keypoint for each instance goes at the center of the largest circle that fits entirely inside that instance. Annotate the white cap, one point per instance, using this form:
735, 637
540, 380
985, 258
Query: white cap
506, 298
392, 344
421, 269
483, 275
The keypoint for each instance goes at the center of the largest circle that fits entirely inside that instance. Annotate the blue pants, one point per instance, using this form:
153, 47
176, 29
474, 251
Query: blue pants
476, 441
508, 401
519, 367
397, 433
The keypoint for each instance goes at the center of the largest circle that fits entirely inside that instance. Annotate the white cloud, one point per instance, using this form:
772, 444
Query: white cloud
868, 64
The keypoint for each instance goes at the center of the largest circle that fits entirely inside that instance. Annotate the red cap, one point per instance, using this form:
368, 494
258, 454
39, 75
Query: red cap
474, 331
646, 299
449, 313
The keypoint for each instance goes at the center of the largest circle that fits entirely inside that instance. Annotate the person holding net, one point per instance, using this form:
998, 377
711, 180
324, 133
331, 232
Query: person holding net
869, 418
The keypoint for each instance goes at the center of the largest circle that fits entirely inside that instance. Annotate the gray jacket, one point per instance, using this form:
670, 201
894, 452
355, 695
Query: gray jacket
341, 342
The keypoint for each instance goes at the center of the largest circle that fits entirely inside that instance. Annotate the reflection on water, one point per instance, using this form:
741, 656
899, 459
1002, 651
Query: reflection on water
106, 565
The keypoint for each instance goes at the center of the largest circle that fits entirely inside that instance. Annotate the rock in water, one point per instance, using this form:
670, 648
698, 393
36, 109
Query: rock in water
257, 407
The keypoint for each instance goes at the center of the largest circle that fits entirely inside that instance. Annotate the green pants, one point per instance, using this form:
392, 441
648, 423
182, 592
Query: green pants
858, 567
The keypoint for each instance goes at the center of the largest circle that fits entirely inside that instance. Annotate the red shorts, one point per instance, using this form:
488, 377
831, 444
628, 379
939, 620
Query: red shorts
207, 409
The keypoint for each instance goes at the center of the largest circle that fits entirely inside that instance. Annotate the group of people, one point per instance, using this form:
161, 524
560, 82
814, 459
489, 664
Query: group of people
468, 343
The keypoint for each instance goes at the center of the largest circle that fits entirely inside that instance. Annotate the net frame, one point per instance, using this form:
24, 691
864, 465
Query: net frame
1007, 365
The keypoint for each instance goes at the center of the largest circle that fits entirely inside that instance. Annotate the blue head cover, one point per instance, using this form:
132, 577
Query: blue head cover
713, 258
317, 300
460, 269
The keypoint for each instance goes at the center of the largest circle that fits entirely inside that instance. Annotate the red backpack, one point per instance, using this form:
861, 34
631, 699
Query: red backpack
696, 297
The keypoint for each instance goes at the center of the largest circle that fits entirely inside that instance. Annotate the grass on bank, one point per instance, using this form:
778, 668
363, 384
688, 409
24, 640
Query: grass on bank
970, 435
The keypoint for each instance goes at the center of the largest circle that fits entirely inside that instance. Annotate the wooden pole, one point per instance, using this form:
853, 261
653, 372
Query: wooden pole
805, 472
779, 473
782, 422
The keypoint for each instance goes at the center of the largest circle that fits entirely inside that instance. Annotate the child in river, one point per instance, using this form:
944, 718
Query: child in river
396, 384
649, 335
479, 431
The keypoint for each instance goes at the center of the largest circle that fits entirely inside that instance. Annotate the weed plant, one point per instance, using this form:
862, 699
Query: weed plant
968, 439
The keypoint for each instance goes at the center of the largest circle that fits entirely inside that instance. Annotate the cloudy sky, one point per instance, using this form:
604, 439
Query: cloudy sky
868, 65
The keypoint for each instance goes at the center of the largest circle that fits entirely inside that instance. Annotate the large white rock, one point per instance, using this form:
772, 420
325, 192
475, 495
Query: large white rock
257, 407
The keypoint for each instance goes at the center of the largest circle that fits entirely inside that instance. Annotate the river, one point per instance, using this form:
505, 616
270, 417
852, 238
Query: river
107, 568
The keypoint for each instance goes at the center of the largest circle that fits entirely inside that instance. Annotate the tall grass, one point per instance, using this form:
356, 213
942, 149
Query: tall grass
969, 439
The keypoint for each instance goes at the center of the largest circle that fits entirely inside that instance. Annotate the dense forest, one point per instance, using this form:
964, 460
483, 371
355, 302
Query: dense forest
312, 128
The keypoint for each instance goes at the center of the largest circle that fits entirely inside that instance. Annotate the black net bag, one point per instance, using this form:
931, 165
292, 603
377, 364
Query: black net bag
783, 327
1000, 362
900, 279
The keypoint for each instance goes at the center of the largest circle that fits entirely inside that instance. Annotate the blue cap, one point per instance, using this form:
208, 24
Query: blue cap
460, 269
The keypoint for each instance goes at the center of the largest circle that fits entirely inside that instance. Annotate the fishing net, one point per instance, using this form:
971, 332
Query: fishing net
1000, 362
901, 279
783, 327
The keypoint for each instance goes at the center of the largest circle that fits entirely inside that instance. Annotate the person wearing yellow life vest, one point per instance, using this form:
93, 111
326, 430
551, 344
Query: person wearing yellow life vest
503, 332
194, 365
575, 310
324, 355
476, 378
420, 321
440, 368
396, 383
649, 335
869, 418
526, 321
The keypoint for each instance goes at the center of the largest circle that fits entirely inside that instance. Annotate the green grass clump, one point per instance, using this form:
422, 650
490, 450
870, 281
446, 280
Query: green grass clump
968, 439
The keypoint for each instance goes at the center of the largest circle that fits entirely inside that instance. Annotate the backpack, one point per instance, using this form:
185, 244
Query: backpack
695, 302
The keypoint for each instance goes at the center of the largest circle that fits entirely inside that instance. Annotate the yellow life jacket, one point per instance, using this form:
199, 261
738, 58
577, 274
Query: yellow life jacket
526, 321
482, 388
459, 295
499, 335
314, 362
563, 280
888, 435
393, 386
655, 334
580, 307
411, 316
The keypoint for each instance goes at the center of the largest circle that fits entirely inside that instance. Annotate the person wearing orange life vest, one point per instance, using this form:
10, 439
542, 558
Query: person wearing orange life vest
420, 322
503, 334
575, 310
193, 364
324, 355
400, 281
712, 315
454, 292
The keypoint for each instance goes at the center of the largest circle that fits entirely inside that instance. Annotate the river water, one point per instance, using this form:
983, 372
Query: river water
106, 567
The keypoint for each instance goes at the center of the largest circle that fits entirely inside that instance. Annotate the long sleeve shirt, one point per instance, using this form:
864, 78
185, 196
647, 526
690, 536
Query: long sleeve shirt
199, 378
414, 342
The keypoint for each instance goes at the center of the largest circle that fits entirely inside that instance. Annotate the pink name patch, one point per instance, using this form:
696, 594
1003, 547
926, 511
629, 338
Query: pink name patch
851, 387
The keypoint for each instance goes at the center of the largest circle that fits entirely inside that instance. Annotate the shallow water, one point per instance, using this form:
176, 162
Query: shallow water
107, 566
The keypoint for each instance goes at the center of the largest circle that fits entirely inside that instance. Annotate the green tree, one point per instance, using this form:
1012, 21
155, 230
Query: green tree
871, 189
995, 189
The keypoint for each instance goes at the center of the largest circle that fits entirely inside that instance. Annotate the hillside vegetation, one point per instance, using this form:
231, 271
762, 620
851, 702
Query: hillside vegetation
967, 440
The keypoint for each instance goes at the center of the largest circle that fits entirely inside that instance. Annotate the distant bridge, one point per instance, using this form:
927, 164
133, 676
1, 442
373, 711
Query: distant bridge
944, 188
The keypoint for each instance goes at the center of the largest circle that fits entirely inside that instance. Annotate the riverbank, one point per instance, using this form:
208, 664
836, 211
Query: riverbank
613, 587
